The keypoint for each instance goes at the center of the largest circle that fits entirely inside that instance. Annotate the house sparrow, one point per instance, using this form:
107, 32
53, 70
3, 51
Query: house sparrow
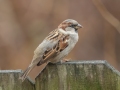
55, 46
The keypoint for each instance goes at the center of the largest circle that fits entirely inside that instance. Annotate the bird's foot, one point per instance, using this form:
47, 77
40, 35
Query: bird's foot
61, 61
65, 60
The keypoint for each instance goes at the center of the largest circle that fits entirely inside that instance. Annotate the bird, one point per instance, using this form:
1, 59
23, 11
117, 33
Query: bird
55, 46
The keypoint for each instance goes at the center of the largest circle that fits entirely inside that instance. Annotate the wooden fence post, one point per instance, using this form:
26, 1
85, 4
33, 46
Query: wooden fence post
76, 75
79, 75
9, 81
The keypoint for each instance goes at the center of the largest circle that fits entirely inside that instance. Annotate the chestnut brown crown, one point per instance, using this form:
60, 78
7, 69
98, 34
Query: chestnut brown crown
70, 23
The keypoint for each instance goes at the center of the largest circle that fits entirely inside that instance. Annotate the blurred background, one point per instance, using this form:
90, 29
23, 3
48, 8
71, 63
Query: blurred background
25, 23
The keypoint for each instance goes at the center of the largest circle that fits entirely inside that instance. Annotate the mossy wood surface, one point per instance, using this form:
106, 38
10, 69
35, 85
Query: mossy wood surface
79, 75
9, 80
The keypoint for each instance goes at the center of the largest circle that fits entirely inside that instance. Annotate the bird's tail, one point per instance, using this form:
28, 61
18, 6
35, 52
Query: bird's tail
26, 72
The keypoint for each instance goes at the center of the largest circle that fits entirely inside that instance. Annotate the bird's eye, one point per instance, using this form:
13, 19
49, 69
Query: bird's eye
73, 25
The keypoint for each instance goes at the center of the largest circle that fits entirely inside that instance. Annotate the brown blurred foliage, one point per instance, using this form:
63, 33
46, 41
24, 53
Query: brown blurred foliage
25, 23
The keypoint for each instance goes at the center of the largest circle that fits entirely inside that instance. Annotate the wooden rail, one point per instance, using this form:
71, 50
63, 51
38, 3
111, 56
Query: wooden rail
75, 75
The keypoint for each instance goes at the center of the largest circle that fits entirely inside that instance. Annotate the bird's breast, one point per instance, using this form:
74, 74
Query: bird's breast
71, 43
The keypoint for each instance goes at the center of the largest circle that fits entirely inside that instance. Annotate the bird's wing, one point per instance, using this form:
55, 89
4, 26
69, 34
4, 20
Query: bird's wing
59, 46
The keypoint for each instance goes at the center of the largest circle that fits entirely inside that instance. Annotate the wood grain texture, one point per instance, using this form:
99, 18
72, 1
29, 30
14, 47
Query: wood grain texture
79, 75
9, 80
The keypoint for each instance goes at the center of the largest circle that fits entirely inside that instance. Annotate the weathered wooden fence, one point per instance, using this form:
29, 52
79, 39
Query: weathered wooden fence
77, 75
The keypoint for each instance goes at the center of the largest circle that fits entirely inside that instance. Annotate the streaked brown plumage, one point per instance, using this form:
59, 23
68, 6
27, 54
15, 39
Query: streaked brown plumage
55, 46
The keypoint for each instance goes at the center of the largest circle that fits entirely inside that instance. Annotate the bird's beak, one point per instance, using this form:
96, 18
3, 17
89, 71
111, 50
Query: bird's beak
79, 26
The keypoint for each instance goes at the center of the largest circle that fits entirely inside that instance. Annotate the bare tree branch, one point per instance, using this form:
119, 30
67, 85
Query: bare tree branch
107, 15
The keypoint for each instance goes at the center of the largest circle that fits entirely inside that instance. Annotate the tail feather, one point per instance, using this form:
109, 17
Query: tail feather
25, 73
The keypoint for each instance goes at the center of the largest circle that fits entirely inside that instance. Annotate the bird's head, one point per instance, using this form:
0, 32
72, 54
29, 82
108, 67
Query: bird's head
70, 24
